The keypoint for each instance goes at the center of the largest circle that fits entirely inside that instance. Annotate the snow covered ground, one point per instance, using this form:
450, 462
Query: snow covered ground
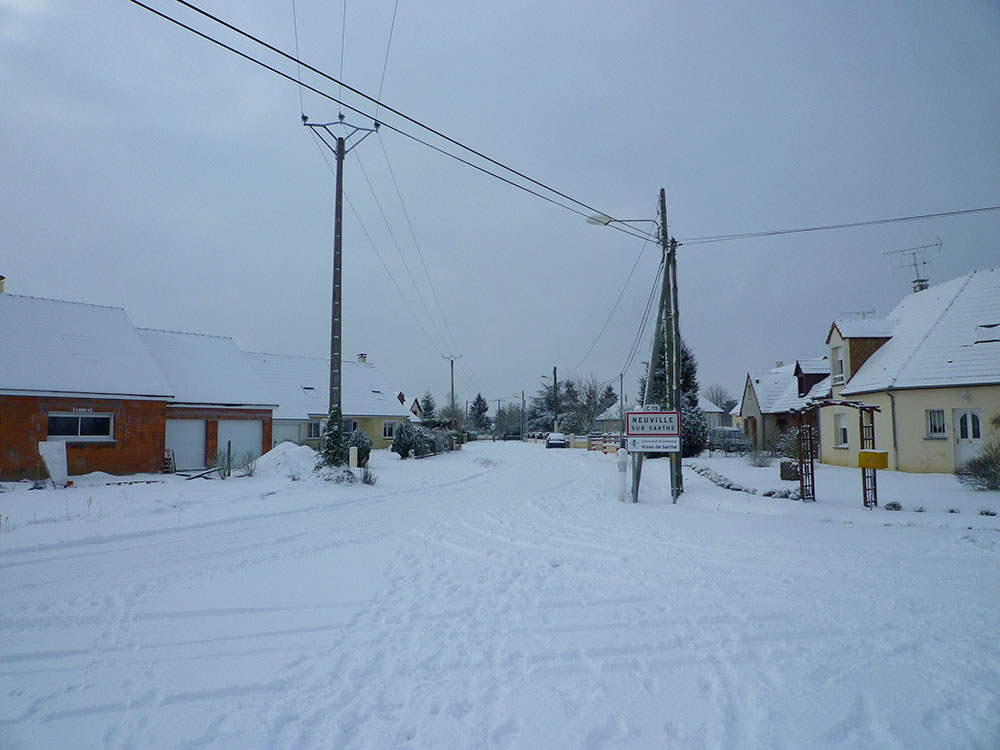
498, 597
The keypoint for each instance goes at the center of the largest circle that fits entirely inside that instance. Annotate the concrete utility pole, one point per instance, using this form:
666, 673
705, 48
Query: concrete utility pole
340, 148
522, 415
452, 358
555, 400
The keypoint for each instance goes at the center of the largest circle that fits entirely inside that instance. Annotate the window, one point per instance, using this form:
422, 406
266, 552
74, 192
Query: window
963, 426
349, 426
837, 361
935, 423
309, 391
82, 428
312, 431
388, 430
840, 430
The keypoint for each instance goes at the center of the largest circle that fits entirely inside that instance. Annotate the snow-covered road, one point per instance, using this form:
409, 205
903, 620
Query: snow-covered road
495, 597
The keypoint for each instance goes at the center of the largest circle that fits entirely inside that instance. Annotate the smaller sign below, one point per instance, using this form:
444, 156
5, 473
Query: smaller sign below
654, 444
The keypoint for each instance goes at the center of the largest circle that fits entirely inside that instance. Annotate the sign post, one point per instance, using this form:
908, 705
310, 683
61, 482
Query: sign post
653, 432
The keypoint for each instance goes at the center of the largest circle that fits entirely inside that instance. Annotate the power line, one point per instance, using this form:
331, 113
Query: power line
420, 254
614, 307
385, 63
343, 38
338, 100
298, 68
851, 225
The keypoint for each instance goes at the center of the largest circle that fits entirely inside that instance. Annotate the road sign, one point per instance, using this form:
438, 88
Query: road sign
653, 424
654, 444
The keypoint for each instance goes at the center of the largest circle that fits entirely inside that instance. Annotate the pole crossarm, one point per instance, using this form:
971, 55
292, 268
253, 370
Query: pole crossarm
352, 130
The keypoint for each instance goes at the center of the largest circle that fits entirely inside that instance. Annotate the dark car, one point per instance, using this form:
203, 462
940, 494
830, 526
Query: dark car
556, 440
728, 440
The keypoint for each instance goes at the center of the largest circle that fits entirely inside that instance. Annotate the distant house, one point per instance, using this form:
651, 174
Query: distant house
714, 415
610, 420
765, 410
301, 387
932, 366
220, 403
79, 374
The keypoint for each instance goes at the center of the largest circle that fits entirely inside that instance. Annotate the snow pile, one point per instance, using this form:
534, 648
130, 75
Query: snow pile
287, 460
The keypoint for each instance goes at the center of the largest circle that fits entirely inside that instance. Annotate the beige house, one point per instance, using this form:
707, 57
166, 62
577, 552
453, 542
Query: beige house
764, 412
933, 369
301, 387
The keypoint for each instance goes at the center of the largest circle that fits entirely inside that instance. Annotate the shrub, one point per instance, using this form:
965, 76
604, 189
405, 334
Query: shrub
220, 461
246, 463
412, 440
759, 457
334, 450
987, 512
953, 510
363, 443
368, 476
983, 471
919, 509
892, 505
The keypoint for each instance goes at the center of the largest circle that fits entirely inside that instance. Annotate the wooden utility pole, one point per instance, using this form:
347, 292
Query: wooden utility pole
555, 401
452, 358
666, 339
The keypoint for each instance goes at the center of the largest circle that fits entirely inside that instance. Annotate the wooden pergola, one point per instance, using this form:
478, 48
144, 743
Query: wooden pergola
807, 442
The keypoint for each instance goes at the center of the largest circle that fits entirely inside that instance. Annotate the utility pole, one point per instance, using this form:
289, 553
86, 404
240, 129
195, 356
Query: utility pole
621, 409
666, 338
340, 148
496, 422
555, 401
522, 416
452, 358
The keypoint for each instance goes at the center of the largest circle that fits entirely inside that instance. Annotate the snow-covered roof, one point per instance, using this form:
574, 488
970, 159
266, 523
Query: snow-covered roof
205, 369
947, 335
52, 346
814, 366
301, 387
864, 328
707, 406
612, 411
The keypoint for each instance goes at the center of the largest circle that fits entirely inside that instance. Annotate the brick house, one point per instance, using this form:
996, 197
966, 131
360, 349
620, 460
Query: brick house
80, 374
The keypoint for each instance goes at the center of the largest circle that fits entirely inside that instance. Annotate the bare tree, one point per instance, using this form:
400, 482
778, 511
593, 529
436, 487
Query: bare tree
720, 397
588, 402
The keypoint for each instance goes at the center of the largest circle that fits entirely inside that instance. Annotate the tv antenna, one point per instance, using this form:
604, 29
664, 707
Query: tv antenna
919, 284
862, 313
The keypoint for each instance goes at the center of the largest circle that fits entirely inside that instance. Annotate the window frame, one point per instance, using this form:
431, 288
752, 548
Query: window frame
837, 364
391, 424
929, 432
78, 437
314, 425
840, 429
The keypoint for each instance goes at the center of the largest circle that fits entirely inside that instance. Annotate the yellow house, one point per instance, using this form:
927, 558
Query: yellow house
301, 386
932, 367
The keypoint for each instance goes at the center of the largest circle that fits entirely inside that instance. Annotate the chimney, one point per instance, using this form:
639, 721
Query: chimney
2, 279
779, 363
362, 357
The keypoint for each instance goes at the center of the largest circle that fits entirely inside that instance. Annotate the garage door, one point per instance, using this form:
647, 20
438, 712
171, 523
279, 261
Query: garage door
281, 433
186, 438
245, 435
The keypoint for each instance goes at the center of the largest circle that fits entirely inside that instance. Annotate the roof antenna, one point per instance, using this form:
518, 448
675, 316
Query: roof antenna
918, 283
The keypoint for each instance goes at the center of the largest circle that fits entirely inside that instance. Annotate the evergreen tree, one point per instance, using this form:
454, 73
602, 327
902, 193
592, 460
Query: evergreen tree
477, 413
428, 406
334, 450
694, 427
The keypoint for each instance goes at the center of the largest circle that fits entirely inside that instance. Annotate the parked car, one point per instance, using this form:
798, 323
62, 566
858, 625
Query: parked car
556, 440
728, 439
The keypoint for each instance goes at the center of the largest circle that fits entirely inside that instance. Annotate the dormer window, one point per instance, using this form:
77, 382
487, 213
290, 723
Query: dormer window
837, 362
310, 391
987, 334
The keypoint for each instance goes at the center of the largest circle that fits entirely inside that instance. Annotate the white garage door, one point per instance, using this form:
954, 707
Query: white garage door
186, 438
245, 435
284, 432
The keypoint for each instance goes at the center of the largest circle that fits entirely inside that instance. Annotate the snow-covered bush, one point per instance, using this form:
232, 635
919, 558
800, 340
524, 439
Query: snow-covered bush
363, 443
892, 505
411, 440
694, 429
983, 471
368, 476
246, 463
334, 451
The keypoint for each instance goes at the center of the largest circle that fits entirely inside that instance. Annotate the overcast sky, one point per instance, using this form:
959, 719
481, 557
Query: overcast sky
144, 168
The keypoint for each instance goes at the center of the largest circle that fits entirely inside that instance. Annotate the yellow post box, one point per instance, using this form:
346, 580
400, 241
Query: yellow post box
873, 459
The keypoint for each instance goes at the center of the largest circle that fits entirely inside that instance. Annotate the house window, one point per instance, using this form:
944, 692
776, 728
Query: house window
837, 360
935, 423
840, 430
312, 431
388, 430
349, 426
963, 426
82, 428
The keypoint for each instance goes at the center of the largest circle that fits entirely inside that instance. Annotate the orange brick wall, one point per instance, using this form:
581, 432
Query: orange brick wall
138, 446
